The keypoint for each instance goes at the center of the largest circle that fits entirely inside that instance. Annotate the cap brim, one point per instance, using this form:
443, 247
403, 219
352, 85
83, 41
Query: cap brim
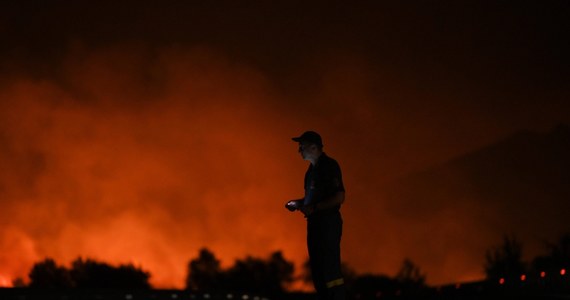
297, 139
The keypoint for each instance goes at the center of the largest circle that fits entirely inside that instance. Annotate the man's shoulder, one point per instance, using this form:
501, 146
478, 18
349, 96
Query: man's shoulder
328, 161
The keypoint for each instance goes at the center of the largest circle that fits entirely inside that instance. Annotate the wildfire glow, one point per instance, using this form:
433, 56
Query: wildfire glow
5, 282
145, 155
200, 158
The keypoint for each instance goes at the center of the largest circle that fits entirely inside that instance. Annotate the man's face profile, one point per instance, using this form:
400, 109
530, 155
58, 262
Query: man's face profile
307, 150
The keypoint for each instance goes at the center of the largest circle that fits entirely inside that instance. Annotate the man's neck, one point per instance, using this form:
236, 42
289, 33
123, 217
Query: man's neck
316, 159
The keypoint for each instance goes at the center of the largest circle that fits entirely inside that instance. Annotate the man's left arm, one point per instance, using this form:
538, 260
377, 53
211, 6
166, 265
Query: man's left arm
331, 202
334, 184
334, 201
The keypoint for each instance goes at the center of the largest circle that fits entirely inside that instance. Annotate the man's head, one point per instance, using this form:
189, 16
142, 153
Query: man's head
310, 145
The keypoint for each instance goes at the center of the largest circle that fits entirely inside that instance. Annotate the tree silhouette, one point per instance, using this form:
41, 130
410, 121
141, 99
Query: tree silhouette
261, 276
560, 252
410, 275
410, 279
505, 261
280, 271
19, 282
204, 272
87, 274
370, 286
92, 274
251, 275
246, 274
47, 274
558, 257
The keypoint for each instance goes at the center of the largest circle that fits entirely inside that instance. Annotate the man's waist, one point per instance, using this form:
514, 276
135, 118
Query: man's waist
325, 212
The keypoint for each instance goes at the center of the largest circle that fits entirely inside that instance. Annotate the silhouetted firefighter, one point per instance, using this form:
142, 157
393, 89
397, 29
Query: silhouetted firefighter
324, 194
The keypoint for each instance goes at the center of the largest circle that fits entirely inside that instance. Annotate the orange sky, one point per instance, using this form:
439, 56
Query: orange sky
141, 154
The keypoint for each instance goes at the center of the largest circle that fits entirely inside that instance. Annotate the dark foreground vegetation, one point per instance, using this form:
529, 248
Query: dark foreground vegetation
251, 278
468, 291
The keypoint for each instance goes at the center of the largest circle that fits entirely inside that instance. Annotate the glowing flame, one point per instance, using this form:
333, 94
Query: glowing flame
5, 282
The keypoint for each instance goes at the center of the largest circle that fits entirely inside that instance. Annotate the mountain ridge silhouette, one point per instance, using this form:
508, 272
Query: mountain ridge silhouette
459, 209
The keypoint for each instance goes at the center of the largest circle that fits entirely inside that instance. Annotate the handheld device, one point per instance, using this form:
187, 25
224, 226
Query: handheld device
292, 205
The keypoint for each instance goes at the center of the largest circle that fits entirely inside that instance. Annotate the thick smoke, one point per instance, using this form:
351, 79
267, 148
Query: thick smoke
112, 165
157, 131
146, 156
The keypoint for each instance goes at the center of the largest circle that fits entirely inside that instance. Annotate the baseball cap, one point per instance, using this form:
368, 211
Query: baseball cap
309, 137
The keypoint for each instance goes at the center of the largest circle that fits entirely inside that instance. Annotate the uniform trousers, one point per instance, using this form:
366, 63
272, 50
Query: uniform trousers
324, 230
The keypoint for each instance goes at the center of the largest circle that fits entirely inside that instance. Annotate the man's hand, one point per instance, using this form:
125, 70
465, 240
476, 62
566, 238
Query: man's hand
293, 205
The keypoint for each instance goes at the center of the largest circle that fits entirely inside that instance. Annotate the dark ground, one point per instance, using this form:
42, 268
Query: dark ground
45, 294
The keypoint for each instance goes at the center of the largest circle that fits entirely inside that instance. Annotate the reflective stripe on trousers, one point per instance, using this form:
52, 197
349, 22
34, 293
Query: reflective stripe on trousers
335, 282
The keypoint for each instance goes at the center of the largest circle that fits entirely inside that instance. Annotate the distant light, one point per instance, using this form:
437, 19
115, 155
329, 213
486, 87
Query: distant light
256, 298
523, 277
245, 297
174, 296
502, 281
128, 296
378, 294
563, 272
542, 274
230, 296
206, 296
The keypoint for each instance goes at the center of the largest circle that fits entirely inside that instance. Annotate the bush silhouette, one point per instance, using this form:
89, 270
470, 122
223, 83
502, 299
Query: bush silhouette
87, 274
250, 275
505, 261
92, 274
47, 274
204, 272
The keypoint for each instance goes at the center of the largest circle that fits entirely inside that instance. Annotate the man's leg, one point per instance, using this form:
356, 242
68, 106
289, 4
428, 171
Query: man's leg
315, 246
333, 279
